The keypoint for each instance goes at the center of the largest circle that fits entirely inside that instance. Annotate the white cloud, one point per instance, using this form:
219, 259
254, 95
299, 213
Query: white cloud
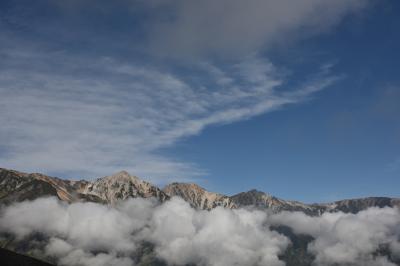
181, 235
83, 116
95, 234
189, 28
235, 28
217, 237
348, 239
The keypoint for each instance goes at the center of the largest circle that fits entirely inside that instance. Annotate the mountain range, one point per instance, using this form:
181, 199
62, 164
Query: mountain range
17, 186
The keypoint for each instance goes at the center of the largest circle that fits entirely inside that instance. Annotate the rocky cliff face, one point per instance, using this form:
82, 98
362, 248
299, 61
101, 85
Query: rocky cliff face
17, 186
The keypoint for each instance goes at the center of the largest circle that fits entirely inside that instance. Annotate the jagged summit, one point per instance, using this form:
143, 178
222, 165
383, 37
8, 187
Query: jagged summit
264, 200
121, 176
121, 173
197, 196
121, 186
253, 197
257, 192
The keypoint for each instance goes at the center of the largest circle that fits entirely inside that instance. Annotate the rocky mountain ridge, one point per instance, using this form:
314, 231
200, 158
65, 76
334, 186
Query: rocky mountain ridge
18, 186
108, 189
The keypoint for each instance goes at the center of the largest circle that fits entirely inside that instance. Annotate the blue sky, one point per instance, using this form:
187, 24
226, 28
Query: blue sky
298, 100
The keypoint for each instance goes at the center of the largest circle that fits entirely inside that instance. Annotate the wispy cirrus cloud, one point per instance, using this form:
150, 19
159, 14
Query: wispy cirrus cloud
68, 109
88, 116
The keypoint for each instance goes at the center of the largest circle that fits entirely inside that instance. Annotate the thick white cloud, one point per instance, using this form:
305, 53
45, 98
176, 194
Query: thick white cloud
69, 255
217, 237
348, 239
94, 234
181, 235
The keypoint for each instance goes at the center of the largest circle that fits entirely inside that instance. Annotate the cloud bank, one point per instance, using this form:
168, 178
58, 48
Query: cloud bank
181, 235
348, 239
94, 234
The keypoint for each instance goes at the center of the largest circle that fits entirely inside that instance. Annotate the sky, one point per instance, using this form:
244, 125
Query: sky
298, 99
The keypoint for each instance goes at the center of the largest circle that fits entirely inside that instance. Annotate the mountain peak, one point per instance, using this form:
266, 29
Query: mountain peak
256, 191
121, 186
123, 172
121, 176
197, 196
